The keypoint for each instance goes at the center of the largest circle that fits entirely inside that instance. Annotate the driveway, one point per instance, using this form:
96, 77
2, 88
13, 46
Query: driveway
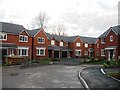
95, 79
50, 76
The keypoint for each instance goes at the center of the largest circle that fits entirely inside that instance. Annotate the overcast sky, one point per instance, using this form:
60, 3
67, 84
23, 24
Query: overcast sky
81, 17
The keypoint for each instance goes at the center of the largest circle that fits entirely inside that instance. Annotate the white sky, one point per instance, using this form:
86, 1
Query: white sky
81, 17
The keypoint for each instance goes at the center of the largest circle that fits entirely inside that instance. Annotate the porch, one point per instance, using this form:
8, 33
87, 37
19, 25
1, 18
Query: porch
59, 52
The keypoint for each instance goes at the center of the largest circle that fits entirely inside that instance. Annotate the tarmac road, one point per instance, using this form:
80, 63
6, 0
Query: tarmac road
95, 79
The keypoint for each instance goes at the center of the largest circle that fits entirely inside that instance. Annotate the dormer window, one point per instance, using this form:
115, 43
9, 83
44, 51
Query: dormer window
41, 40
52, 42
23, 38
102, 40
86, 45
61, 43
3, 36
77, 44
111, 38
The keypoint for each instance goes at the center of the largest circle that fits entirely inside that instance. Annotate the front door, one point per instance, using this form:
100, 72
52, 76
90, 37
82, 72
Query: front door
110, 54
56, 54
64, 54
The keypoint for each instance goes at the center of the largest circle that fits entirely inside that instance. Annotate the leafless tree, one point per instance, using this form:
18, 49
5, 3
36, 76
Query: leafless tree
40, 21
59, 29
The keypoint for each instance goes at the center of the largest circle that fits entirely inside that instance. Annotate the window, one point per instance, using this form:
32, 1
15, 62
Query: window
11, 52
3, 36
23, 52
78, 52
97, 53
102, 40
52, 42
77, 44
61, 43
102, 52
86, 45
41, 40
97, 45
40, 51
86, 53
111, 38
23, 38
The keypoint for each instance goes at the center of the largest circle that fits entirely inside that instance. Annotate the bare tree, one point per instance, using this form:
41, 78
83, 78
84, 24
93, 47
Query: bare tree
40, 21
59, 29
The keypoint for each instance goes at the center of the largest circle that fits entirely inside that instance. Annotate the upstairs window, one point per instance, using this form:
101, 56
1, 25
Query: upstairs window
111, 38
3, 36
23, 38
41, 40
61, 43
77, 44
102, 40
97, 45
52, 42
86, 45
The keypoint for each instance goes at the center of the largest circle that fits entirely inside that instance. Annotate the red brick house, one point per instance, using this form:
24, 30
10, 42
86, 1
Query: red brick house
109, 43
14, 40
36, 44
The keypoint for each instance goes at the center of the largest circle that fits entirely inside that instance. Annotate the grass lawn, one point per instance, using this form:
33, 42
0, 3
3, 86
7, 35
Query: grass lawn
116, 75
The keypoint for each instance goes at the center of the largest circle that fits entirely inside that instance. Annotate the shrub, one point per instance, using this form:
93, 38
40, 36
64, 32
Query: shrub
45, 61
56, 59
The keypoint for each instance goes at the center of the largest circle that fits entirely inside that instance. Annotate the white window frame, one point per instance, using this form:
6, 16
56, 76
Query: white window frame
111, 38
21, 50
102, 52
52, 42
3, 34
61, 43
11, 51
77, 44
86, 45
23, 36
77, 53
102, 40
97, 45
41, 38
85, 52
40, 48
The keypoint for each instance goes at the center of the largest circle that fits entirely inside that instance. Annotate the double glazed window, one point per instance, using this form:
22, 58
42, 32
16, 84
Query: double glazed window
102, 40
86, 45
77, 44
61, 43
40, 51
78, 52
23, 38
3, 36
86, 53
41, 40
23, 52
111, 38
102, 52
52, 42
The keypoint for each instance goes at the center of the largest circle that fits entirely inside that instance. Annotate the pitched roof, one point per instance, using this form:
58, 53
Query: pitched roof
89, 40
33, 32
115, 28
64, 38
11, 28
